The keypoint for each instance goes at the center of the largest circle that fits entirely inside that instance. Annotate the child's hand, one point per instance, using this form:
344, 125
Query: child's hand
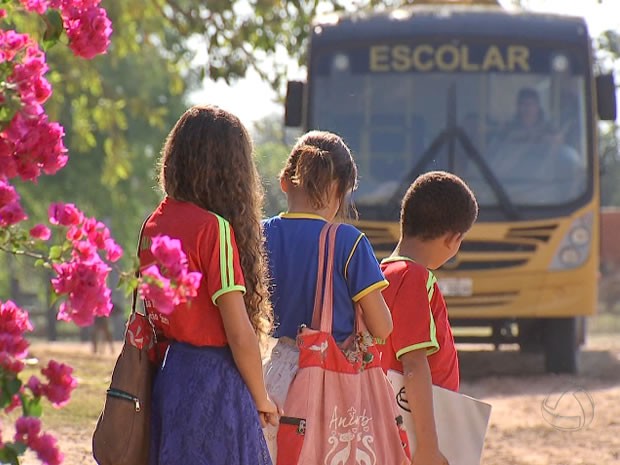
428, 456
268, 412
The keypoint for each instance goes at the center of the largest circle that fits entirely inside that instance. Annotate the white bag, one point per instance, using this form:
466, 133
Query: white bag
279, 368
461, 422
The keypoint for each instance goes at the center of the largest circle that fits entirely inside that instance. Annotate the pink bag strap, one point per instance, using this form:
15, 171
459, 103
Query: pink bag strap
316, 312
323, 312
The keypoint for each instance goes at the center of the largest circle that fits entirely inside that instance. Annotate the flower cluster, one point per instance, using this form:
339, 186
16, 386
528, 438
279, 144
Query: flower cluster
14, 322
83, 278
61, 383
168, 284
29, 143
28, 432
87, 25
30, 146
11, 211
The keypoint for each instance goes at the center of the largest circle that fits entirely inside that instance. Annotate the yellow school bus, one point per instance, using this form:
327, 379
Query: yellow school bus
506, 100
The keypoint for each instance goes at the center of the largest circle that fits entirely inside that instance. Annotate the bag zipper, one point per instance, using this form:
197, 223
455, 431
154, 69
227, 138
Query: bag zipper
124, 395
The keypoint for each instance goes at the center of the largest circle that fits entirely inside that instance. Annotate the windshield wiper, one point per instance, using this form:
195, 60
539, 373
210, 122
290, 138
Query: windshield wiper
450, 135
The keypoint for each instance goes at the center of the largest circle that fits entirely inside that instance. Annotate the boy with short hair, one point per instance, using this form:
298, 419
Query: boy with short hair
437, 210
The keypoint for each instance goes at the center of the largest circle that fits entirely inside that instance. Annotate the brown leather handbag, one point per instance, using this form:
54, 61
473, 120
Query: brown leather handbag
121, 436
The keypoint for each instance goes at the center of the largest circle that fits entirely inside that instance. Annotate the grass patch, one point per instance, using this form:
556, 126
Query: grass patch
92, 373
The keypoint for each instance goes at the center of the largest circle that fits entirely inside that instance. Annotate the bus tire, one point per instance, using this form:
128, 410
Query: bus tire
530, 337
561, 348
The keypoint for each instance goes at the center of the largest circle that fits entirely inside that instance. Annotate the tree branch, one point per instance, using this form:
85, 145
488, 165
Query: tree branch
25, 253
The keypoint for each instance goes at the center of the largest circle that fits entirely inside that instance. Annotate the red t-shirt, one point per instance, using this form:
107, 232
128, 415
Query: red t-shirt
420, 321
209, 243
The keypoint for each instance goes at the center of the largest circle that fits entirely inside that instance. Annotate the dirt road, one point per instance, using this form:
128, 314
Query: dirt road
580, 429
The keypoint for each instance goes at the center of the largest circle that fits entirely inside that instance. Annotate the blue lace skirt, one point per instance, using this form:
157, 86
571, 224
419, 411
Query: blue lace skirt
202, 411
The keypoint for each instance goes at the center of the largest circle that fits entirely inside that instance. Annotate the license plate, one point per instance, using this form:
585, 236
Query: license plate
456, 287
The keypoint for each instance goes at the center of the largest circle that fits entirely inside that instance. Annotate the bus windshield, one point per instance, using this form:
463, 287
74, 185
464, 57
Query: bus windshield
527, 130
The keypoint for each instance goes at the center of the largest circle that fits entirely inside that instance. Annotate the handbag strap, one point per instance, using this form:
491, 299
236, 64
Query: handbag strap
322, 315
134, 298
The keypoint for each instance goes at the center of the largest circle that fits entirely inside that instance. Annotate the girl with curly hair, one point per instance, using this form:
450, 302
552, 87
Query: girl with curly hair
209, 396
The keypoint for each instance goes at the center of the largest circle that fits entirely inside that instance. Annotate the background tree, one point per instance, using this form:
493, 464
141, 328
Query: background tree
116, 110
273, 144
607, 47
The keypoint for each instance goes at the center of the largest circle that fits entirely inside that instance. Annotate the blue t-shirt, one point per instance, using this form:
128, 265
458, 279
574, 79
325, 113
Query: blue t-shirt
292, 242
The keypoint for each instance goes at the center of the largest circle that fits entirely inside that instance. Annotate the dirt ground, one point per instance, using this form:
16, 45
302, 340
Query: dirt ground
520, 432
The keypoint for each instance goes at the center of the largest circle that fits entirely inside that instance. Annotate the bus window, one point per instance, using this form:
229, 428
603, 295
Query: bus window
396, 117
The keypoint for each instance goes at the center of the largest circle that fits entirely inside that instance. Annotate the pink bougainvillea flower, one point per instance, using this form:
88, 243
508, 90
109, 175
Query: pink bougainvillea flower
113, 251
27, 430
169, 253
38, 6
35, 386
10, 364
40, 231
75, 233
61, 383
65, 214
47, 450
89, 31
156, 288
84, 285
189, 283
7, 193
14, 322
12, 213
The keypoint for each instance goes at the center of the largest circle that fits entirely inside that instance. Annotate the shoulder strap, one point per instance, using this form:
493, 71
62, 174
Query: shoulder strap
322, 315
134, 298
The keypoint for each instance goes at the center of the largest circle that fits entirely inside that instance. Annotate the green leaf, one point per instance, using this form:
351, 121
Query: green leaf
5, 399
13, 386
53, 30
55, 252
8, 455
5, 235
53, 297
32, 407
19, 448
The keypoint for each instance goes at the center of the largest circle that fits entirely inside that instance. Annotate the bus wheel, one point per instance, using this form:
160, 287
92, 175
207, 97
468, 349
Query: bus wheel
531, 335
561, 348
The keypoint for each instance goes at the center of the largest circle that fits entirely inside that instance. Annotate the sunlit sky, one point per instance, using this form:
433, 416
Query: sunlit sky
251, 99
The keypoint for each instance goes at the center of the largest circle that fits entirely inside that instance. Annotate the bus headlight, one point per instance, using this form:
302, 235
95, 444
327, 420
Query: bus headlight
574, 249
570, 256
580, 236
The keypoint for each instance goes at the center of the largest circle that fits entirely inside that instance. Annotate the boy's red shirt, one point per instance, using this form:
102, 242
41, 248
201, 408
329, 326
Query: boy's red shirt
419, 322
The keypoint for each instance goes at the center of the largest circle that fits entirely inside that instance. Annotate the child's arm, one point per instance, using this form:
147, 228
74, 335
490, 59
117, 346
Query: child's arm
376, 314
245, 349
418, 387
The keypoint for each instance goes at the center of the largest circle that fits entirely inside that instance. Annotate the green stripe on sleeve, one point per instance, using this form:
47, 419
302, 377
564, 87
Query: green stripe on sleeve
430, 346
229, 257
222, 231
226, 290
430, 286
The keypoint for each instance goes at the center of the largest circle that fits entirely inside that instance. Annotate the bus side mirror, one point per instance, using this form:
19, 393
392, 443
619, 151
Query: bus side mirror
293, 108
606, 97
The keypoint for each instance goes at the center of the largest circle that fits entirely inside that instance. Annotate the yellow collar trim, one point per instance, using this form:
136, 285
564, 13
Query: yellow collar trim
304, 216
397, 258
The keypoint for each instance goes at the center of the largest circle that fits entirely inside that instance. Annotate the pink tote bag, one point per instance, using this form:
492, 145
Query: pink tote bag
340, 409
